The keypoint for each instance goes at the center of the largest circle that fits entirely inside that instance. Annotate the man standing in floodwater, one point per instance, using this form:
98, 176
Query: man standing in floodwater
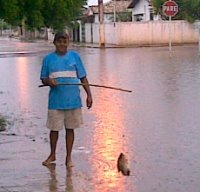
64, 105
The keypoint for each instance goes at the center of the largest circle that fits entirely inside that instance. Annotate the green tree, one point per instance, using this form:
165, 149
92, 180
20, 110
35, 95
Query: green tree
191, 10
157, 4
32, 16
9, 11
40, 13
60, 13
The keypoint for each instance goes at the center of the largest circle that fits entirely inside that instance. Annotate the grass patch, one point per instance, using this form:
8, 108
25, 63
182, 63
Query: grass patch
3, 124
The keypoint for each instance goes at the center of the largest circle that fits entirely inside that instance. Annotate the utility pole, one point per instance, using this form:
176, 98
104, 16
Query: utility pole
101, 24
114, 11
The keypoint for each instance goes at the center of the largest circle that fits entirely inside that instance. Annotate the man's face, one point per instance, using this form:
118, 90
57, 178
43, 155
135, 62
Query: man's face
61, 45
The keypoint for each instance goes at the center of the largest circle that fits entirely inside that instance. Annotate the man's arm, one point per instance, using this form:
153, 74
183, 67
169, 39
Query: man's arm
88, 92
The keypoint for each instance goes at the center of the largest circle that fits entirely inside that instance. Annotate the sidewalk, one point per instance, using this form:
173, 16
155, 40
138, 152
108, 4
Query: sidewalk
17, 47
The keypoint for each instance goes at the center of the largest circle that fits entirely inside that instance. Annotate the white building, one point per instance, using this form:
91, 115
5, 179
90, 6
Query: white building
142, 10
111, 10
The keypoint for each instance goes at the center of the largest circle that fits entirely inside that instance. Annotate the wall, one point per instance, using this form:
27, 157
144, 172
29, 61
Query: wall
144, 33
95, 31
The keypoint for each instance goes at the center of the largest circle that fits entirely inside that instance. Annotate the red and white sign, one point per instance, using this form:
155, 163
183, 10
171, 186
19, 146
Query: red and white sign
170, 8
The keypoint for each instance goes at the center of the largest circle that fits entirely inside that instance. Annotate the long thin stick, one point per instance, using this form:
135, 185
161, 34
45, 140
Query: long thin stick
93, 85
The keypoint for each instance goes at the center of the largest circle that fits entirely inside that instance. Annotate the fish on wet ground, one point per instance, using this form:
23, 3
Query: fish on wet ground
122, 164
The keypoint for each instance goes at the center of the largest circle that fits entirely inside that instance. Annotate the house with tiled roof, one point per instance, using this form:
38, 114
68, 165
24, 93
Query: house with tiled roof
112, 11
142, 10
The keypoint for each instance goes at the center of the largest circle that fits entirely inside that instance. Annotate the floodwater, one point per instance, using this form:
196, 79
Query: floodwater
156, 125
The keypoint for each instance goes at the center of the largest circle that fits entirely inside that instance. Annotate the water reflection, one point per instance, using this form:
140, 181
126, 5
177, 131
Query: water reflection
69, 182
22, 78
108, 138
53, 183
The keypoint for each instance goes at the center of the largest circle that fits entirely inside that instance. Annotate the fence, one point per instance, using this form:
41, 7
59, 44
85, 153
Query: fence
144, 33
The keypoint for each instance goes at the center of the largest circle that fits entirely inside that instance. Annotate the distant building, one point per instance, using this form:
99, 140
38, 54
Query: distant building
114, 10
142, 10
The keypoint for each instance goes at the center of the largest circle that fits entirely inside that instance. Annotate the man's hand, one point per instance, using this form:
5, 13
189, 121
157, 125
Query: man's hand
89, 102
50, 82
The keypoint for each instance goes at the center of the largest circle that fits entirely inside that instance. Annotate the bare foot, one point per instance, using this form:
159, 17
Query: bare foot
69, 163
49, 160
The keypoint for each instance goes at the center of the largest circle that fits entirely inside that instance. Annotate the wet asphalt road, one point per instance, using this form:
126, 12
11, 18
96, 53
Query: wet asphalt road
156, 126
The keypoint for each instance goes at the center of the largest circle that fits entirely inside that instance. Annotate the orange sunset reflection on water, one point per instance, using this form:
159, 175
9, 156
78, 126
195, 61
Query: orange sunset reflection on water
23, 80
108, 139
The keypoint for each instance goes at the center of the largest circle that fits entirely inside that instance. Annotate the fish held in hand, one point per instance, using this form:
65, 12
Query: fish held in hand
122, 165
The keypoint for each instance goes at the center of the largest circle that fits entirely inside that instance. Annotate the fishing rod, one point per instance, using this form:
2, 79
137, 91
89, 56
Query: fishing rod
93, 85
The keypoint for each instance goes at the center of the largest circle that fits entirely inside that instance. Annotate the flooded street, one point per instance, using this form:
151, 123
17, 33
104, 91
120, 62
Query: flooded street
157, 125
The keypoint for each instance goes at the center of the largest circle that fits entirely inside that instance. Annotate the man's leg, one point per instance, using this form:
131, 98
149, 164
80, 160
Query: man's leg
53, 144
69, 144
